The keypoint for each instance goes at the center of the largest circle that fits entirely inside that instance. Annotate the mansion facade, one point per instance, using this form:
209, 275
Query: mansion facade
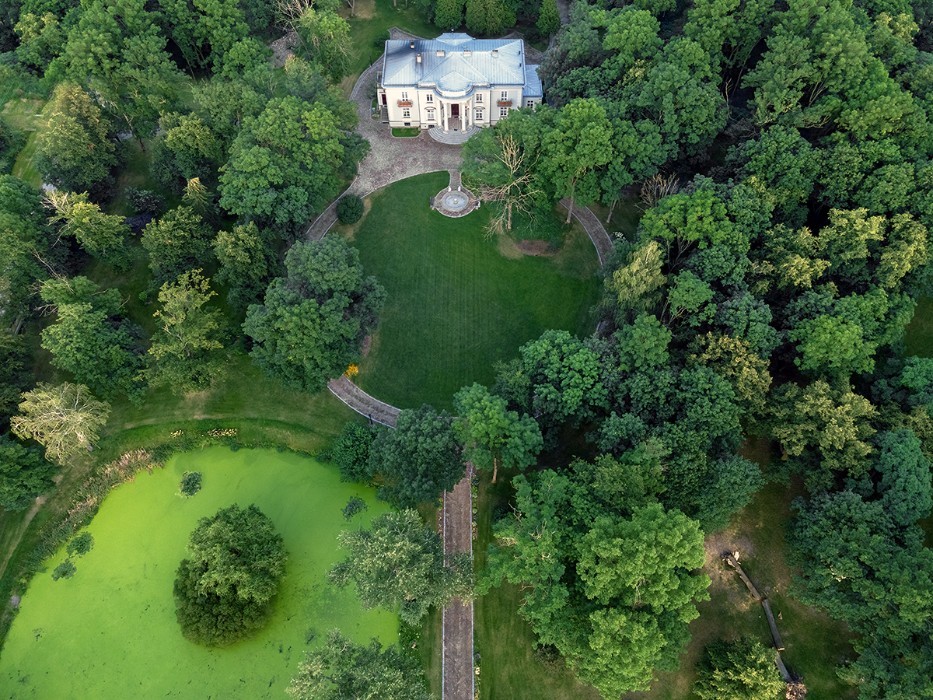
455, 82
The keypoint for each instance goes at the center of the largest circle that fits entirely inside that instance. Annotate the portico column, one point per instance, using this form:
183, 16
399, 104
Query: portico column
444, 116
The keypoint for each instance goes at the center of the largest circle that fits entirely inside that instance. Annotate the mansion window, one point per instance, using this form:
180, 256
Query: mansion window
530, 103
406, 114
479, 98
478, 113
503, 112
504, 95
404, 95
429, 97
430, 114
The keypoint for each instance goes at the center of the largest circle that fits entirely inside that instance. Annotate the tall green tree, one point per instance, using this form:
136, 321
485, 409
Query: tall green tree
245, 263
448, 14
287, 163
419, 460
184, 355
399, 564
342, 670
92, 340
177, 242
491, 434
74, 151
314, 319
225, 587
742, 670
102, 235
116, 52
579, 143
23, 475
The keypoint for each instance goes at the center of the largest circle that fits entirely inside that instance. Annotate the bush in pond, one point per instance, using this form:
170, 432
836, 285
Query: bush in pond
80, 545
190, 483
224, 590
354, 505
351, 452
64, 570
350, 209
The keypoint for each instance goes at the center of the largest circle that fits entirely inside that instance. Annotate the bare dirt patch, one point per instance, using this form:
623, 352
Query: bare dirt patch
508, 248
538, 249
364, 9
722, 577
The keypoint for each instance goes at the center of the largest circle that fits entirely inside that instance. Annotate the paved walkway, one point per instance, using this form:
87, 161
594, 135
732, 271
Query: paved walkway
389, 159
457, 627
363, 403
594, 229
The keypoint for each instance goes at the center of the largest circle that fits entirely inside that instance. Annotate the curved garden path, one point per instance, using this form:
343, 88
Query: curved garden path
389, 160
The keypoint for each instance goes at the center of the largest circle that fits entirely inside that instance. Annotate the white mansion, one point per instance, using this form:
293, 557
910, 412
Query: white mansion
455, 81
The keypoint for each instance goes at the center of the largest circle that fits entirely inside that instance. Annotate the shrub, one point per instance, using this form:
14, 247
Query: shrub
351, 452
82, 544
224, 590
145, 201
350, 209
64, 570
354, 505
190, 483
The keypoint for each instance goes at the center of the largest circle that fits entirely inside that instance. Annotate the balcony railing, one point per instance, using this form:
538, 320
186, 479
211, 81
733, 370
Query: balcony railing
503, 103
404, 103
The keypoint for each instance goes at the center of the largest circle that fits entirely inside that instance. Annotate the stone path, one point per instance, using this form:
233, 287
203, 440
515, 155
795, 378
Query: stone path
457, 627
594, 229
389, 159
363, 403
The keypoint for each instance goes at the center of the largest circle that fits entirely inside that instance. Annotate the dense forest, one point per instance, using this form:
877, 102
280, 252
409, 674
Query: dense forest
781, 153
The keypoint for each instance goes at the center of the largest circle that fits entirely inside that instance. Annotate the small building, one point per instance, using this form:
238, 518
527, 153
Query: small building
455, 81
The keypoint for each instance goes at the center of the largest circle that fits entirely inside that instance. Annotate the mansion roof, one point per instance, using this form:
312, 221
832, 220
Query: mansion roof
454, 63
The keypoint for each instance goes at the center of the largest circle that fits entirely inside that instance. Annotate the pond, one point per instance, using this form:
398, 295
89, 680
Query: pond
110, 630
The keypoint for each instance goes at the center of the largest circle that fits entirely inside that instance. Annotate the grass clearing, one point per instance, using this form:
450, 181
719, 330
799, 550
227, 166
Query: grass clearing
509, 665
405, 132
25, 115
369, 30
112, 625
815, 644
455, 305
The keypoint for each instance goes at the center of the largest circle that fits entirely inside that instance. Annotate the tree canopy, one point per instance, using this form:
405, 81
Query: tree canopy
224, 588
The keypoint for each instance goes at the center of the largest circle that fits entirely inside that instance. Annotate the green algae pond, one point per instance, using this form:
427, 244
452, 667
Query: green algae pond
110, 631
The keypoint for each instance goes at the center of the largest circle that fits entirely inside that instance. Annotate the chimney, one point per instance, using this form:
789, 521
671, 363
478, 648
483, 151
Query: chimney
495, 53
411, 44
418, 58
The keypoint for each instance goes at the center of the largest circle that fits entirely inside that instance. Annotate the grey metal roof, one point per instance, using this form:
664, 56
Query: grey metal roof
454, 62
533, 86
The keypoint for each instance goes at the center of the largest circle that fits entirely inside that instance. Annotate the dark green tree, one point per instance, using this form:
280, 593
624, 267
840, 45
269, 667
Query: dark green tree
419, 460
225, 587
341, 670
74, 152
314, 319
23, 475
742, 670
491, 434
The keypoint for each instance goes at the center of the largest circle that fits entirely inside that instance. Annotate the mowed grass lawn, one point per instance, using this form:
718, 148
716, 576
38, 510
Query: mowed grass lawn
110, 630
456, 305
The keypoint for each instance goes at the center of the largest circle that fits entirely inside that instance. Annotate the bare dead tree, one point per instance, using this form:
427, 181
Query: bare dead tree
516, 193
288, 12
656, 188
